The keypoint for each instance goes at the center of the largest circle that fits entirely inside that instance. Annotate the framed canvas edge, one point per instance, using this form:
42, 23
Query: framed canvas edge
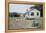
6, 16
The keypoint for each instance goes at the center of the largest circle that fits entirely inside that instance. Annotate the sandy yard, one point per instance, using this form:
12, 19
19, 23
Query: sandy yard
20, 22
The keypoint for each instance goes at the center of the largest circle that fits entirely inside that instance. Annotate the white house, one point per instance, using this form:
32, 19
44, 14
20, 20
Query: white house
32, 13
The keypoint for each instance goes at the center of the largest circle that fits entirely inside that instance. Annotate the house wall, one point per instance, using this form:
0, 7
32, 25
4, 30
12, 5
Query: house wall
35, 13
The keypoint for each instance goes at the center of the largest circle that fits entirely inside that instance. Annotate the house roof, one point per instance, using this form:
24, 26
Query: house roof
38, 7
32, 9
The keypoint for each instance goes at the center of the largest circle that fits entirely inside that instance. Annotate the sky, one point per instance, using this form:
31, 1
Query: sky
19, 8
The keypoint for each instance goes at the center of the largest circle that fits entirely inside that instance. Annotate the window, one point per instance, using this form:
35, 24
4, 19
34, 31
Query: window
32, 13
37, 13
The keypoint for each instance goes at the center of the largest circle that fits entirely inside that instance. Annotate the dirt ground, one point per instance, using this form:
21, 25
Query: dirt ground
20, 22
